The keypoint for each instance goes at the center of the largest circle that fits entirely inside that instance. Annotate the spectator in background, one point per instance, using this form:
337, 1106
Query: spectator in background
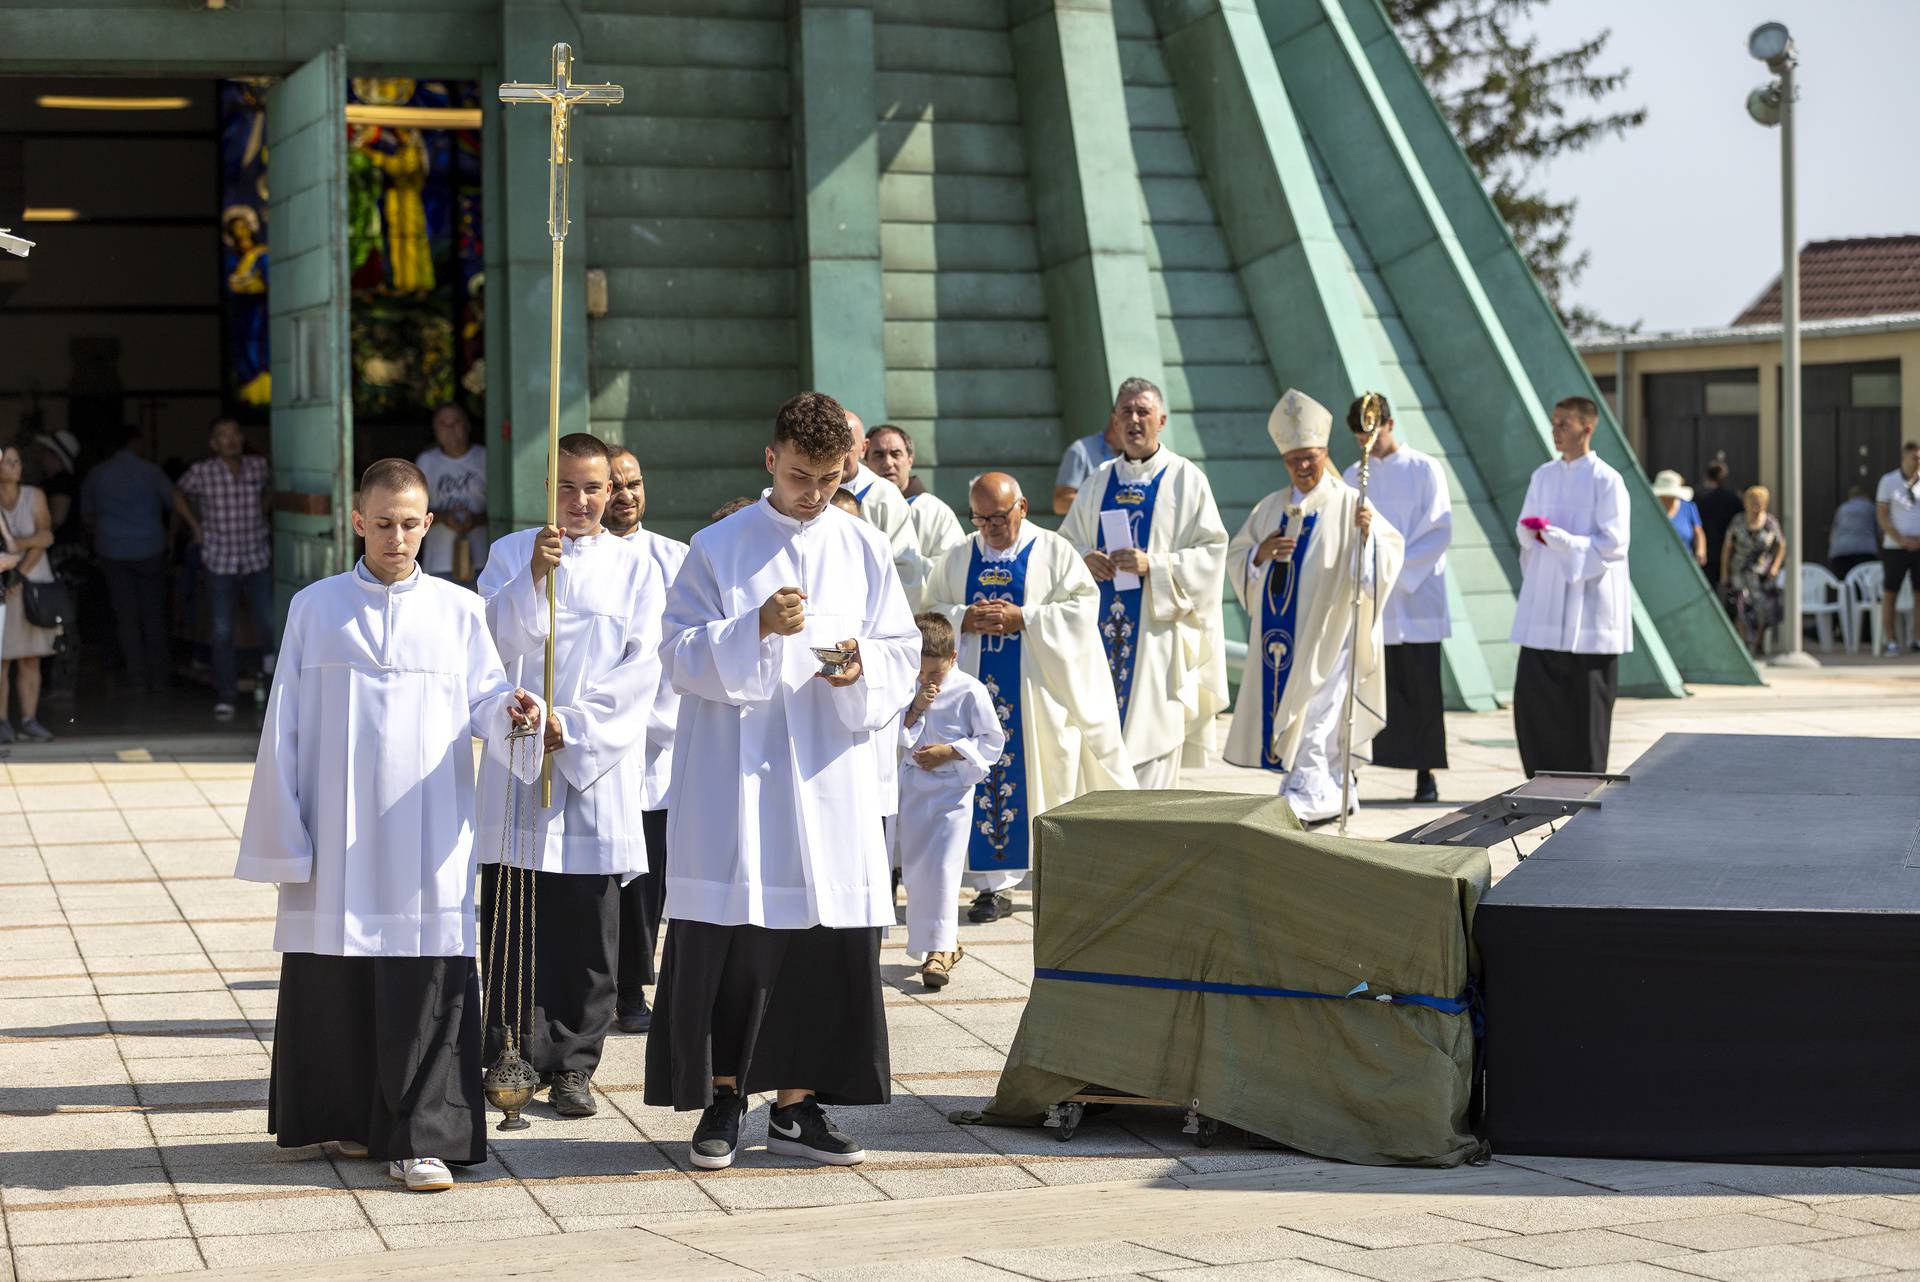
23, 510
1083, 458
1718, 503
1897, 507
1750, 562
1854, 537
51, 462
125, 502
231, 490
1676, 500
456, 471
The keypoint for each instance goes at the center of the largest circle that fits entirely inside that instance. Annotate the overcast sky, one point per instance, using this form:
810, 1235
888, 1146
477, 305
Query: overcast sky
1682, 216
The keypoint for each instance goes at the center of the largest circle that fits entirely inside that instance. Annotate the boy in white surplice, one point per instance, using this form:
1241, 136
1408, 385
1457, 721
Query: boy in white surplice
362, 810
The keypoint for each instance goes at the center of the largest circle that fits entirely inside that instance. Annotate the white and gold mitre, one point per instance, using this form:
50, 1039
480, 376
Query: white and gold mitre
1299, 422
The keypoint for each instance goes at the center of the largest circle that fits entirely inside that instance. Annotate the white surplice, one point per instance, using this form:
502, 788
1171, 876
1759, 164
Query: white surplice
1575, 594
936, 806
362, 799
606, 673
935, 527
884, 507
1070, 724
777, 804
1180, 665
657, 794
1308, 737
1409, 489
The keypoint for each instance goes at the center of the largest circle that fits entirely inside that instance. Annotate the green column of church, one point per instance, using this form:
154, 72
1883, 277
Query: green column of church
520, 270
837, 191
1086, 194
1285, 248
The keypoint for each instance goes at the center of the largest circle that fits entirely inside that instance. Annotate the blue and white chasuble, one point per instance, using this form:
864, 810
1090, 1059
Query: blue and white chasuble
1120, 611
1000, 840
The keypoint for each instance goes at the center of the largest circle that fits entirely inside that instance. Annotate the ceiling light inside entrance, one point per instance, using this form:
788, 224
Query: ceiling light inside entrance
77, 102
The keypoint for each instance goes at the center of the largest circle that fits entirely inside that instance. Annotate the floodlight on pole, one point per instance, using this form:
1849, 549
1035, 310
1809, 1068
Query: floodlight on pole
1770, 105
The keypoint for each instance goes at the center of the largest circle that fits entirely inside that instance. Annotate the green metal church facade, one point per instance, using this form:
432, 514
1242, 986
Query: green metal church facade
972, 218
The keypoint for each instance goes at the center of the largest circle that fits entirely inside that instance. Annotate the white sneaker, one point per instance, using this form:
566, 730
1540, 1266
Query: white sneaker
350, 1148
1891, 648
421, 1174
223, 710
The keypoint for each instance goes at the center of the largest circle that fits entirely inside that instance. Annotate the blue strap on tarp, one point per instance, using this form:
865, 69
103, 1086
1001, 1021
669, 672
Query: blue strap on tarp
1460, 1005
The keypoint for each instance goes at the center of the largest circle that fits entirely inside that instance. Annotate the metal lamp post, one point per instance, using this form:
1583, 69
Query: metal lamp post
1772, 104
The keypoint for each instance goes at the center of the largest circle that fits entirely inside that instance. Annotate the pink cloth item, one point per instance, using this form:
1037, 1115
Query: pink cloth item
1534, 523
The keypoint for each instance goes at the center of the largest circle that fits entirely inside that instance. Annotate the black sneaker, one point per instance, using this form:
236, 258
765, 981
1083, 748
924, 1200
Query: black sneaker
1424, 788
717, 1138
804, 1131
572, 1094
638, 1020
990, 905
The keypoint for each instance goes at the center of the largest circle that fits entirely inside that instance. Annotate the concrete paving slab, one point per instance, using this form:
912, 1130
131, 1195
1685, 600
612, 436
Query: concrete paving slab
1773, 1264
116, 1259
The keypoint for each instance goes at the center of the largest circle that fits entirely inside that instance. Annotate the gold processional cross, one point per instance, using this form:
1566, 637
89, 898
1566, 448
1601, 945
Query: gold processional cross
561, 97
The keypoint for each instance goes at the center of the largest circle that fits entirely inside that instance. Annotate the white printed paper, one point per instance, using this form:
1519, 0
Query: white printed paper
1118, 533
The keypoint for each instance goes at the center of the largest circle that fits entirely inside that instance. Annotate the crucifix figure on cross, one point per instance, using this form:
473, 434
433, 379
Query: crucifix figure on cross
561, 97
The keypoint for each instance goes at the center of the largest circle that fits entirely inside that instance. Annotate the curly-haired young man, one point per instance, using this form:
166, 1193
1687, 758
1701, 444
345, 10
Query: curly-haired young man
777, 879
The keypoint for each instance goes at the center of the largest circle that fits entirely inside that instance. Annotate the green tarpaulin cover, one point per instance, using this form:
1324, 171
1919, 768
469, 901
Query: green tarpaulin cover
1225, 888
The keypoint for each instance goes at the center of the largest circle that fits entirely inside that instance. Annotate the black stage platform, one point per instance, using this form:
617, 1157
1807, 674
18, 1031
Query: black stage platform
1720, 962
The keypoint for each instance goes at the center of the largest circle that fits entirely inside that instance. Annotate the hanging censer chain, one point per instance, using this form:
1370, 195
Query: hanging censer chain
510, 1084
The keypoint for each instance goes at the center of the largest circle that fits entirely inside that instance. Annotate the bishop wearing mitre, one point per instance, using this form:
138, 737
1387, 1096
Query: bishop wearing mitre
1294, 565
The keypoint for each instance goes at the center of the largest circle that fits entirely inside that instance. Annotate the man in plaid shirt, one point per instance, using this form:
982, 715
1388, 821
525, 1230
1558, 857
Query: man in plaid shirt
230, 491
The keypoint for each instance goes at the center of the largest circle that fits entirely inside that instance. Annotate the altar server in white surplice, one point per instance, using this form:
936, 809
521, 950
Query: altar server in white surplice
884, 507
951, 739
1293, 565
643, 899
935, 528
1574, 619
592, 839
1409, 490
362, 810
1148, 528
778, 885
1028, 613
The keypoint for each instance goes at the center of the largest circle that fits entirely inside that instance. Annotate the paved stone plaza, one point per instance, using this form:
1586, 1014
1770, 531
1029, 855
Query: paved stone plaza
137, 995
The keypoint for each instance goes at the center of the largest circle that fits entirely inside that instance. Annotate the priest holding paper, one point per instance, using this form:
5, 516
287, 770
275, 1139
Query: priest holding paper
1148, 529
362, 810
592, 838
789, 639
1295, 566
1027, 614
1574, 619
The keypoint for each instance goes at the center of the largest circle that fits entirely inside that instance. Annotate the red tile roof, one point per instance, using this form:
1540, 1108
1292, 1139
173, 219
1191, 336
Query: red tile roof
1866, 276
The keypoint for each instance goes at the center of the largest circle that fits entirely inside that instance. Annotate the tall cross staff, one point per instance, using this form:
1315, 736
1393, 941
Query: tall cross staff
561, 96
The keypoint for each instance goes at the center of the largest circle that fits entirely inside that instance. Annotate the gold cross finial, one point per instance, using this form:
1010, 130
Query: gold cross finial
561, 96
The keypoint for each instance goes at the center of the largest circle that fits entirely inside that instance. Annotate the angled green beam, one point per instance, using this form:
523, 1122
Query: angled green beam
1675, 592
1280, 232
836, 157
1086, 195
1462, 338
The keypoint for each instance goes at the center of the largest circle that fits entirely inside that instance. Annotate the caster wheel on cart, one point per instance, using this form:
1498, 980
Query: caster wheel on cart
1070, 1115
1209, 1132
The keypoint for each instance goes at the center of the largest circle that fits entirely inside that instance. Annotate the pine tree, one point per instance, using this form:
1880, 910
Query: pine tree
1513, 107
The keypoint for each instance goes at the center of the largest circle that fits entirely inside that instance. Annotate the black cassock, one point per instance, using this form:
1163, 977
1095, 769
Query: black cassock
1415, 736
381, 1050
575, 919
773, 1008
1563, 709
641, 902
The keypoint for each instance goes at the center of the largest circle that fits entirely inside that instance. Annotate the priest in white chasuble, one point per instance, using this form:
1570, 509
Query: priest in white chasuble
362, 810
643, 899
1295, 565
592, 838
1147, 525
1575, 615
778, 883
890, 456
1027, 614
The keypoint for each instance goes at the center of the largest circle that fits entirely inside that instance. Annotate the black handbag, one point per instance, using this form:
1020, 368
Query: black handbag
48, 605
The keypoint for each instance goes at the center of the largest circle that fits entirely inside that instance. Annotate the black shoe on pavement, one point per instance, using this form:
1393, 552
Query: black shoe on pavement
572, 1094
804, 1131
1424, 788
638, 1020
990, 905
717, 1138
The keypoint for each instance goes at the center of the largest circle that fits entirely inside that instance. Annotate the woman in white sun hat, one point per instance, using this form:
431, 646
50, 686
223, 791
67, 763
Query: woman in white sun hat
1677, 501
